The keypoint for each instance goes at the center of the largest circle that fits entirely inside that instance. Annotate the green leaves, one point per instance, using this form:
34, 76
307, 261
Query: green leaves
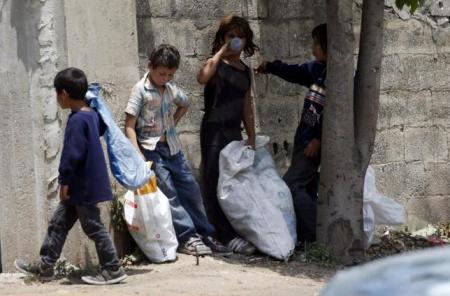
413, 4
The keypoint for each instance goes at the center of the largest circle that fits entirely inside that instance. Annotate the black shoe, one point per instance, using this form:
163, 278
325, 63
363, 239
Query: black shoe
217, 247
106, 277
44, 271
241, 246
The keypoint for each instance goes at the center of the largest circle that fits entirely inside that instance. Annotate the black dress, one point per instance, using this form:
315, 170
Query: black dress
224, 112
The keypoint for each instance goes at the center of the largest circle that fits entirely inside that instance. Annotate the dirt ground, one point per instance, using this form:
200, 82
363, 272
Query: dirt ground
213, 276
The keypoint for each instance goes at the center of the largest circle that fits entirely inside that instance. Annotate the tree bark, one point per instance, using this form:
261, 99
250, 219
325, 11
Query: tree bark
367, 91
340, 224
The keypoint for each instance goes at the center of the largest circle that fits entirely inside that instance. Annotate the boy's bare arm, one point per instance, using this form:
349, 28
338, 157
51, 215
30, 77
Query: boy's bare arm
179, 113
130, 132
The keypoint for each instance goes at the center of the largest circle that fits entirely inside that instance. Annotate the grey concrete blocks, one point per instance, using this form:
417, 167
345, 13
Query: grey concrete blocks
440, 8
426, 144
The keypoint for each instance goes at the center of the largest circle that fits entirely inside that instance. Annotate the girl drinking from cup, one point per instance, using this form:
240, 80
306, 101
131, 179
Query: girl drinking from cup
227, 103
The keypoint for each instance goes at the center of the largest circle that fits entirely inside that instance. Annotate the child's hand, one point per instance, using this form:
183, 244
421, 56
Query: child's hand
225, 50
250, 142
262, 68
64, 193
313, 148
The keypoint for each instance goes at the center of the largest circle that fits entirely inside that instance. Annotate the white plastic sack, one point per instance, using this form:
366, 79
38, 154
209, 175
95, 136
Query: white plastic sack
147, 214
378, 209
255, 199
422, 273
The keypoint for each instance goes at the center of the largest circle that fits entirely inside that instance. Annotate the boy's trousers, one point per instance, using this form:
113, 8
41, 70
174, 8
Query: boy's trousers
175, 180
63, 220
302, 180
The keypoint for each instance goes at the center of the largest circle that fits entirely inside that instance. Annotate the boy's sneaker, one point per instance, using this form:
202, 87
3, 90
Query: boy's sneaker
216, 246
241, 246
44, 271
106, 277
194, 246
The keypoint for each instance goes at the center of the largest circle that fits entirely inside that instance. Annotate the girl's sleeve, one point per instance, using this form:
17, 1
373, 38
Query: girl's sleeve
74, 150
295, 73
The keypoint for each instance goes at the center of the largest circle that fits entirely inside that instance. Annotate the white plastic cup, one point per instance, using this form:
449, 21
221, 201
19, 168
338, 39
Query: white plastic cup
236, 44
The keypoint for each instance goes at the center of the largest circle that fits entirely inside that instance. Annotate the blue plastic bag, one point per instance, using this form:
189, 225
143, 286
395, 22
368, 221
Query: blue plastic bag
127, 166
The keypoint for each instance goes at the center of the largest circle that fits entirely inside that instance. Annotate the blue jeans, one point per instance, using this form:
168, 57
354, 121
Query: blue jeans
176, 181
63, 220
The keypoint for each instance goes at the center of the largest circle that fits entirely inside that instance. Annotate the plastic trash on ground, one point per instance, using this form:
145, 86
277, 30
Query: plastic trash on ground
378, 209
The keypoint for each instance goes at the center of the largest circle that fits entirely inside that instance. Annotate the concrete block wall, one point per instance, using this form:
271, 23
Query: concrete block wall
282, 30
411, 156
40, 37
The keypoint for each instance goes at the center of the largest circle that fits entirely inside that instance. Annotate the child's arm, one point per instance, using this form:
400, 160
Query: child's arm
181, 110
209, 69
295, 73
313, 148
132, 111
249, 120
182, 103
74, 151
130, 132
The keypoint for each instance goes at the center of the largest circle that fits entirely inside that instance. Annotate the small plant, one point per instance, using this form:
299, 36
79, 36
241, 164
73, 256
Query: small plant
117, 220
64, 269
412, 4
318, 254
134, 259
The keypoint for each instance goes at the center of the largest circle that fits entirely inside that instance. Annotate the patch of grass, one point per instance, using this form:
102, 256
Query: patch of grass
318, 254
64, 269
117, 220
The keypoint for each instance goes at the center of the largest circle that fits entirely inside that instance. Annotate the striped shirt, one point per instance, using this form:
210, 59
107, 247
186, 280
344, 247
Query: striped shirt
154, 113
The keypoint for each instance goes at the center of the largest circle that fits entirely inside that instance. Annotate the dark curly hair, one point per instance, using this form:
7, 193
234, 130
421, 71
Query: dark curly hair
320, 34
165, 55
232, 22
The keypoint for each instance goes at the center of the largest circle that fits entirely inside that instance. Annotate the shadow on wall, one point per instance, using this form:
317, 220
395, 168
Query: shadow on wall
24, 17
145, 36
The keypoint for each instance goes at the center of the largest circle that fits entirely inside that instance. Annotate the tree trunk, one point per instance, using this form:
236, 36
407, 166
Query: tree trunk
367, 91
340, 224
349, 126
